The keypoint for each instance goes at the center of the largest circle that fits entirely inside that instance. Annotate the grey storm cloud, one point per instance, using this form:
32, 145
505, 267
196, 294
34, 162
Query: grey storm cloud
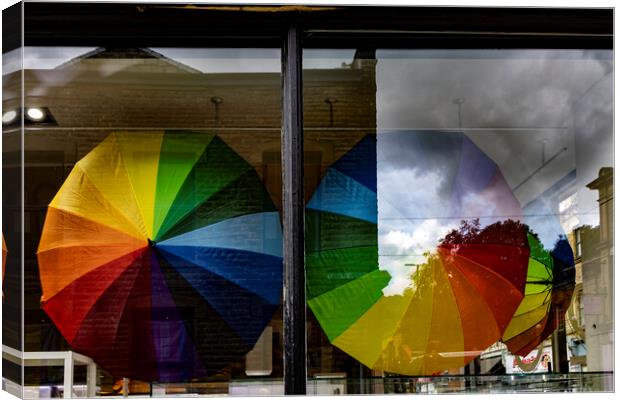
419, 157
501, 88
512, 102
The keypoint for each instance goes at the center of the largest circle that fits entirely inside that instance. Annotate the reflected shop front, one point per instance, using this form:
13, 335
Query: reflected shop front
232, 200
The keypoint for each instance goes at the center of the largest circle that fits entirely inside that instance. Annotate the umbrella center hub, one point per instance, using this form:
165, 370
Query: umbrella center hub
152, 243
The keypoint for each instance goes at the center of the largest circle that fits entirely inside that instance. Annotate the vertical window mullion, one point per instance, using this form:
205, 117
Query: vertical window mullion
293, 214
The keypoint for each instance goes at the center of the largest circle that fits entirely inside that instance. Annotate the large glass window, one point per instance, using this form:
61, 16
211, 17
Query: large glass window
455, 200
458, 200
12, 225
153, 247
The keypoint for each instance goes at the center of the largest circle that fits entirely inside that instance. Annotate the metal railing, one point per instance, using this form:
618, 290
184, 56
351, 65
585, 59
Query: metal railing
575, 382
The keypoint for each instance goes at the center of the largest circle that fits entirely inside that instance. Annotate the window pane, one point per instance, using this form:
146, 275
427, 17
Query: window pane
445, 194
153, 198
12, 225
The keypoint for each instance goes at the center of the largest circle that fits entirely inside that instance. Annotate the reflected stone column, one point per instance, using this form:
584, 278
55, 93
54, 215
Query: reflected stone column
598, 280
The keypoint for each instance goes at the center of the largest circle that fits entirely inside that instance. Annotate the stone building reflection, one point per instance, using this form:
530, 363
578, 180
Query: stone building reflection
597, 266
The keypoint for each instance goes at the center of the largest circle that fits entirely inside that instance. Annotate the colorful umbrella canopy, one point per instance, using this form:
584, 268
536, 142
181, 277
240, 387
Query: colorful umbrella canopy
548, 290
459, 300
160, 256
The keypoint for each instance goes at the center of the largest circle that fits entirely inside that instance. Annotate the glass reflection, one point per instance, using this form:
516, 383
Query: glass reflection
12, 224
146, 152
490, 172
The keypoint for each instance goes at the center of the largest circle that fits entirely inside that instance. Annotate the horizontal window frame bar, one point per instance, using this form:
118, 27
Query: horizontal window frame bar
201, 26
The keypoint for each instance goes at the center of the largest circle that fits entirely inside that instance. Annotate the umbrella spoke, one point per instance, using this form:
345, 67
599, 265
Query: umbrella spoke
105, 168
254, 272
177, 359
217, 169
340, 194
244, 195
79, 196
243, 310
71, 246
258, 233
179, 153
98, 333
140, 155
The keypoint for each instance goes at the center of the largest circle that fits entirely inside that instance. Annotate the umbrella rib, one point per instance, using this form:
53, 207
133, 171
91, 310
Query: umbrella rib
545, 282
168, 267
245, 168
106, 288
139, 228
198, 205
188, 338
548, 269
124, 308
206, 299
89, 244
531, 312
103, 295
526, 330
472, 287
548, 295
215, 235
351, 281
133, 190
344, 188
136, 249
176, 195
424, 354
397, 326
545, 305
485, 268
164, 252
536, 294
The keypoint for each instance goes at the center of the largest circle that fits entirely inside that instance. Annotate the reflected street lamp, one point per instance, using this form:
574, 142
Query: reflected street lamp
216, 100
459, 102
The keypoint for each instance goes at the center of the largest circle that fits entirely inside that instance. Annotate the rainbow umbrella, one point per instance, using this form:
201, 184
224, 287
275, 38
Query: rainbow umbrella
160, 256
549, 287
459, 300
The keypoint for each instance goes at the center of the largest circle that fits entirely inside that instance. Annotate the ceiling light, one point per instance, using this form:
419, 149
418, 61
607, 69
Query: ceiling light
35, 114
9, 116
